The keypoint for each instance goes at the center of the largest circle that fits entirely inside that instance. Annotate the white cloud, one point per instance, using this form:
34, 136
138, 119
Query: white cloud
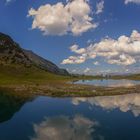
74, 60
60, 19
8, 1
122, 59
96, 63
122, 51
100, 7
74, 48
65, 128
132, 1
51, 19
87, 70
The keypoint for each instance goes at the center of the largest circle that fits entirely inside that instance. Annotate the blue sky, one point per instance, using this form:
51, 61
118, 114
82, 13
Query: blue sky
107, 22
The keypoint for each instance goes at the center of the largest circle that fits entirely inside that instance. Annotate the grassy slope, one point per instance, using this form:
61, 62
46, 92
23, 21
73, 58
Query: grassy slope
129, 77
14, 74
33, 80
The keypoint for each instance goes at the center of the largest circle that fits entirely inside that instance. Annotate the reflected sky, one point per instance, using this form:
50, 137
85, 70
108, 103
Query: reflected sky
124, 103
46, 118
65, 128
109, 82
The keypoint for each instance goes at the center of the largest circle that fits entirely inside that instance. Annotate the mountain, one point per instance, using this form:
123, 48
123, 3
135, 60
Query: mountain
44, 64
12, 53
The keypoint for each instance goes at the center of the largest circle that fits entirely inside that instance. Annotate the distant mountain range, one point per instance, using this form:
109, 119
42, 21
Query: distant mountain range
12, 53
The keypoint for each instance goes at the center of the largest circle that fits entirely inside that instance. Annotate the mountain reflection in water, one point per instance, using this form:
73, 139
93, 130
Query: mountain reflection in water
45, 118
10, 104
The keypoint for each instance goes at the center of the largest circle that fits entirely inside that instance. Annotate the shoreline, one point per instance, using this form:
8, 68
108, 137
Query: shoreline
68, 90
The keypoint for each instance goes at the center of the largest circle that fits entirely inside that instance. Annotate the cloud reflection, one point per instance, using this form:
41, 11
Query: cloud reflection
130, 102
109, 83
65, 128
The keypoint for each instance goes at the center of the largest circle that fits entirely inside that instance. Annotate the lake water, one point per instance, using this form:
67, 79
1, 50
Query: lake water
109, 82
46, 118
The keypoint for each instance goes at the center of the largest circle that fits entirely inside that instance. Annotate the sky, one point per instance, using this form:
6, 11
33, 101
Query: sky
82, 36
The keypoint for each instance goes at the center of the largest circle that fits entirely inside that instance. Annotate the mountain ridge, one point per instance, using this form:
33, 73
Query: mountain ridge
12, 53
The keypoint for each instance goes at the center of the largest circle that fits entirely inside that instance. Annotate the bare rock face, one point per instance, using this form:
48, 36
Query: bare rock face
12, 53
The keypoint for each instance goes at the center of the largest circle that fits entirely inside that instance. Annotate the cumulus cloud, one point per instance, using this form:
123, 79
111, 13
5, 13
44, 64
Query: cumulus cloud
100, 7
59, 19
87, 70
96, 63
8, 1
65, 128
74, 60
125, 103
122, 51
75, 48
132, 1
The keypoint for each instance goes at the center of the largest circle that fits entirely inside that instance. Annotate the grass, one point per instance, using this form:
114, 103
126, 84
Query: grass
129, 77
21, 75
13, 74
34, 81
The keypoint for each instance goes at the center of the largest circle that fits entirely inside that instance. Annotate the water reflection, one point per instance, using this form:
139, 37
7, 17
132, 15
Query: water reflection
130, 102
46, 118
109, 82
10, 104
66, 128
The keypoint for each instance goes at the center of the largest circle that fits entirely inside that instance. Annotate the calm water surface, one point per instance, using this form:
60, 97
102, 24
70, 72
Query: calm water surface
45, 118
109, 82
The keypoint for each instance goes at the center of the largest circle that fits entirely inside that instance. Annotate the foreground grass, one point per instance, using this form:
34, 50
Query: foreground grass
38, 82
